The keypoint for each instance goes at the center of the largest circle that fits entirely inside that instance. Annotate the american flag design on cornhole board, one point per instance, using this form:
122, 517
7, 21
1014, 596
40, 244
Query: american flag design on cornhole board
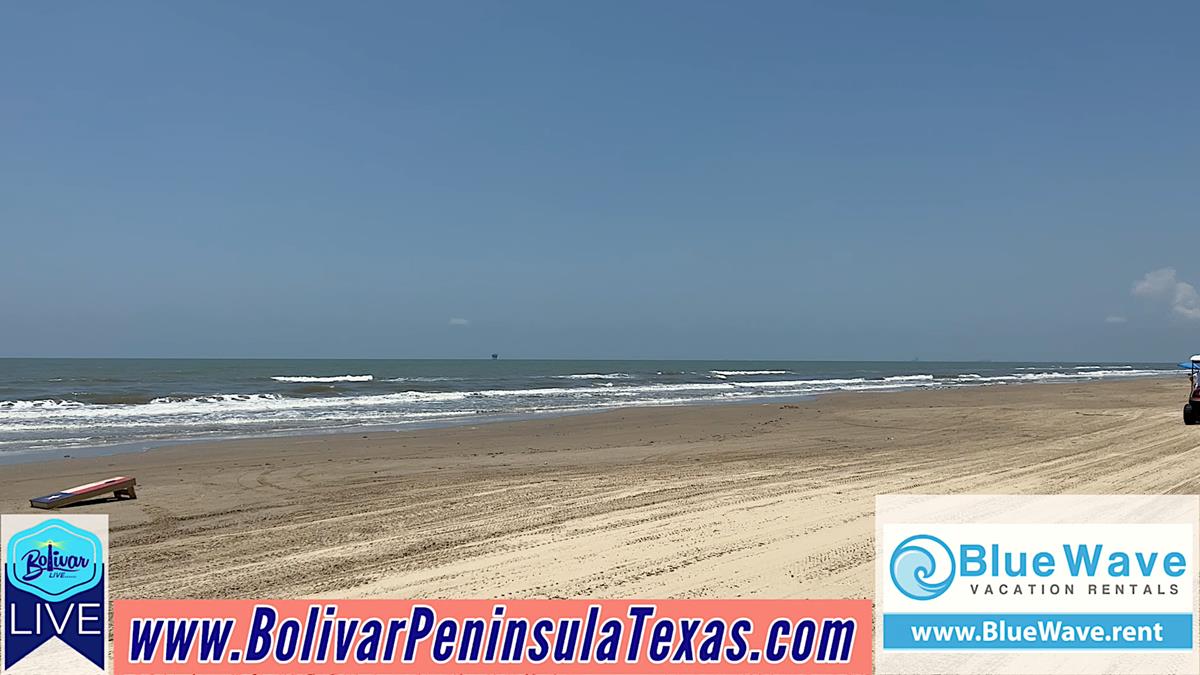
79, 492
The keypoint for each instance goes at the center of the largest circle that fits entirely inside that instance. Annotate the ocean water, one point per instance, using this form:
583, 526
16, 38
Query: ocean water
51, 405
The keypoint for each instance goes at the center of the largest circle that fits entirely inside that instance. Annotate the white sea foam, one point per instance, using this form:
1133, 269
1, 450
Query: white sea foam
1076, 375
216, 398
799, 384
230, 404
425, 379
322, 378
727, 373
40, 404
220, 403
595, 376
618, 389
1093, 374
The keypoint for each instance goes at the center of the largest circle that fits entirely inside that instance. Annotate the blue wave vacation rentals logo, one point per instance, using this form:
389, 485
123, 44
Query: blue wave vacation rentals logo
922, 567
1001, 583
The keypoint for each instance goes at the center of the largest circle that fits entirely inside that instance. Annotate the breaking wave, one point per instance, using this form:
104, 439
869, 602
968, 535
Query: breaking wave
321, 378
105, 409
727, 373
595, 376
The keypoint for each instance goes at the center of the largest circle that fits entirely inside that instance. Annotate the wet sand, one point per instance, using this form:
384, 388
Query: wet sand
764, 500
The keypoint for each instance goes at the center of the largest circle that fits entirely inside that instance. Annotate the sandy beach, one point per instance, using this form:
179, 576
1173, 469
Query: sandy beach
762, 500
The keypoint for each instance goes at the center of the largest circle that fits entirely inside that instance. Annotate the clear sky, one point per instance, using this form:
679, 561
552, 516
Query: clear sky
943, 180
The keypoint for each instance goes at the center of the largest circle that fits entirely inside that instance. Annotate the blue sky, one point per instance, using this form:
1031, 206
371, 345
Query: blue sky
661, 179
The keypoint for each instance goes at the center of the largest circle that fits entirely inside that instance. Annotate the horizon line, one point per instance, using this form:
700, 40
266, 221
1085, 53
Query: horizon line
560, 358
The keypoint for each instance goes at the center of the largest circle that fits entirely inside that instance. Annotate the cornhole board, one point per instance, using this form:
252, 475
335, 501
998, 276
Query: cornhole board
121, 487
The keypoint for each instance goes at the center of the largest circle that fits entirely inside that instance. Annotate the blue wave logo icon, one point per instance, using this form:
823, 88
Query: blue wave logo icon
922, 567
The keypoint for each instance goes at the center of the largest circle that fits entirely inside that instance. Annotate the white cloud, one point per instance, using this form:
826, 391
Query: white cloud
460, 322
1156, 283
1165, 284
1112, 318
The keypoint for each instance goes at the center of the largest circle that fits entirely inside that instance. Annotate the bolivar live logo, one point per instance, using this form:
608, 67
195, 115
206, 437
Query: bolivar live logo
55, 593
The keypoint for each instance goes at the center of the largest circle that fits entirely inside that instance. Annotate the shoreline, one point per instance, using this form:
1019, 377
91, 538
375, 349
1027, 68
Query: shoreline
37, 456
763, 500
139, 447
